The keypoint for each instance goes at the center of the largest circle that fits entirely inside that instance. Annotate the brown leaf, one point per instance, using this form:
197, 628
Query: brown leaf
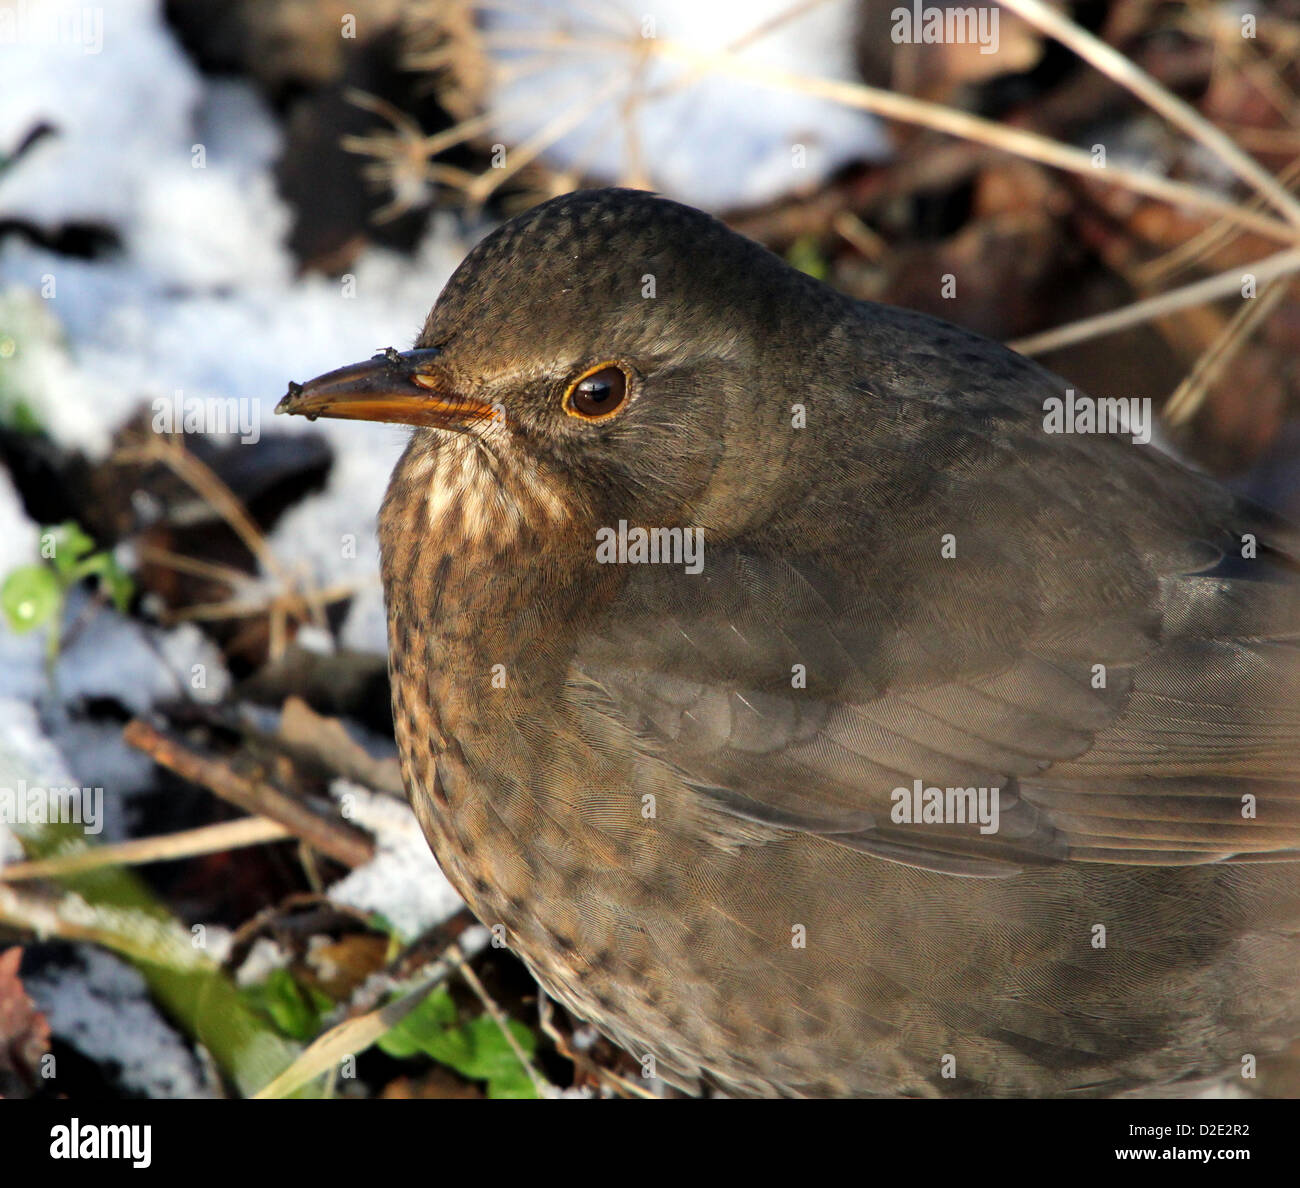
327, 741
24, 1031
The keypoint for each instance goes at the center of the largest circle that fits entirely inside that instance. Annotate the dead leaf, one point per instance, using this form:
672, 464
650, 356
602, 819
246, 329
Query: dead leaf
24, 1031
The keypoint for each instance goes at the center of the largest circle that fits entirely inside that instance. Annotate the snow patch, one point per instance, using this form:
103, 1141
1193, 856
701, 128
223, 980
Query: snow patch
402, 882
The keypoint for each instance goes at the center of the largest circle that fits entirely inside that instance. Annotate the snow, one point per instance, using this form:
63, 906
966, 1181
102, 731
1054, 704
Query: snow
28, 758
112, 656
101, 1006
114, 104
105, 656
99, 759
265, 956
19, 537
402, 882
703, 137
202, 299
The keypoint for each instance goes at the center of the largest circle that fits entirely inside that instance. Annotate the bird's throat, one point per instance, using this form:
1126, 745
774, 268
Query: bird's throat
484, 568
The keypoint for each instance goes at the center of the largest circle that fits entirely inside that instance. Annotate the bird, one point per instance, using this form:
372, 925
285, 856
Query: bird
809, 708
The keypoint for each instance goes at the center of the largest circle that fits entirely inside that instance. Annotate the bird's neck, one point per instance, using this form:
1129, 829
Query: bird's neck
486, 580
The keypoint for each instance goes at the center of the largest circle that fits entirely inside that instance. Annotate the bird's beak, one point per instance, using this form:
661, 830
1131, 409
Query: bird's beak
395, 386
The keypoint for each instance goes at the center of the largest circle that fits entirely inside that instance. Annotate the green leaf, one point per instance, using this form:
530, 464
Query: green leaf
113, 579
295, 1010
493, 1060
477, 1050
515, 1086
118, 585
423, 1027
31, 596
70, 545
118, 911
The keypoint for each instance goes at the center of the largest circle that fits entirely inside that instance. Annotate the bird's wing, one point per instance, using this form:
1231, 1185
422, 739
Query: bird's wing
1131, 699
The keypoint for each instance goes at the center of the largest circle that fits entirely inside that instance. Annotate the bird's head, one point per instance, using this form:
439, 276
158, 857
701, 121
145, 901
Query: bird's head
620, 345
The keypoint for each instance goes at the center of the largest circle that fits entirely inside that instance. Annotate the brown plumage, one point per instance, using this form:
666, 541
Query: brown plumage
676, 790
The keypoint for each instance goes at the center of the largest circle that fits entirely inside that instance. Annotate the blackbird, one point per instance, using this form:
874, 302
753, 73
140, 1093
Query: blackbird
815, 706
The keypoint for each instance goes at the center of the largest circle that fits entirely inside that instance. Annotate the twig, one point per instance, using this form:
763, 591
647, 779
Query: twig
1218, 234
1212, 287
1191, 393
936, 116
209, 839
209, 487
244, 608
197, 567
560, 125
333, 838
958, 123
1182, 115
540, 1084
357, 1034
212, 490
868, 244
580, 1059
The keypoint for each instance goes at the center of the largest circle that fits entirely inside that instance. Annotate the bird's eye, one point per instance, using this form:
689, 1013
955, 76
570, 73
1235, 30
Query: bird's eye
597, 393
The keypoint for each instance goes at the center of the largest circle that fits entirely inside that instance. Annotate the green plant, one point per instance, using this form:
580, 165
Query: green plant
477, 1049
112, 907
34, 595
295, 1010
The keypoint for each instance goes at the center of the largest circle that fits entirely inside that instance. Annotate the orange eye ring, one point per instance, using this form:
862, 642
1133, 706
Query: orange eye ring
599, 392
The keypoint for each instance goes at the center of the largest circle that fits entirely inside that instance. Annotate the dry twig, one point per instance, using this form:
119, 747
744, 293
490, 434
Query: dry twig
333, 838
